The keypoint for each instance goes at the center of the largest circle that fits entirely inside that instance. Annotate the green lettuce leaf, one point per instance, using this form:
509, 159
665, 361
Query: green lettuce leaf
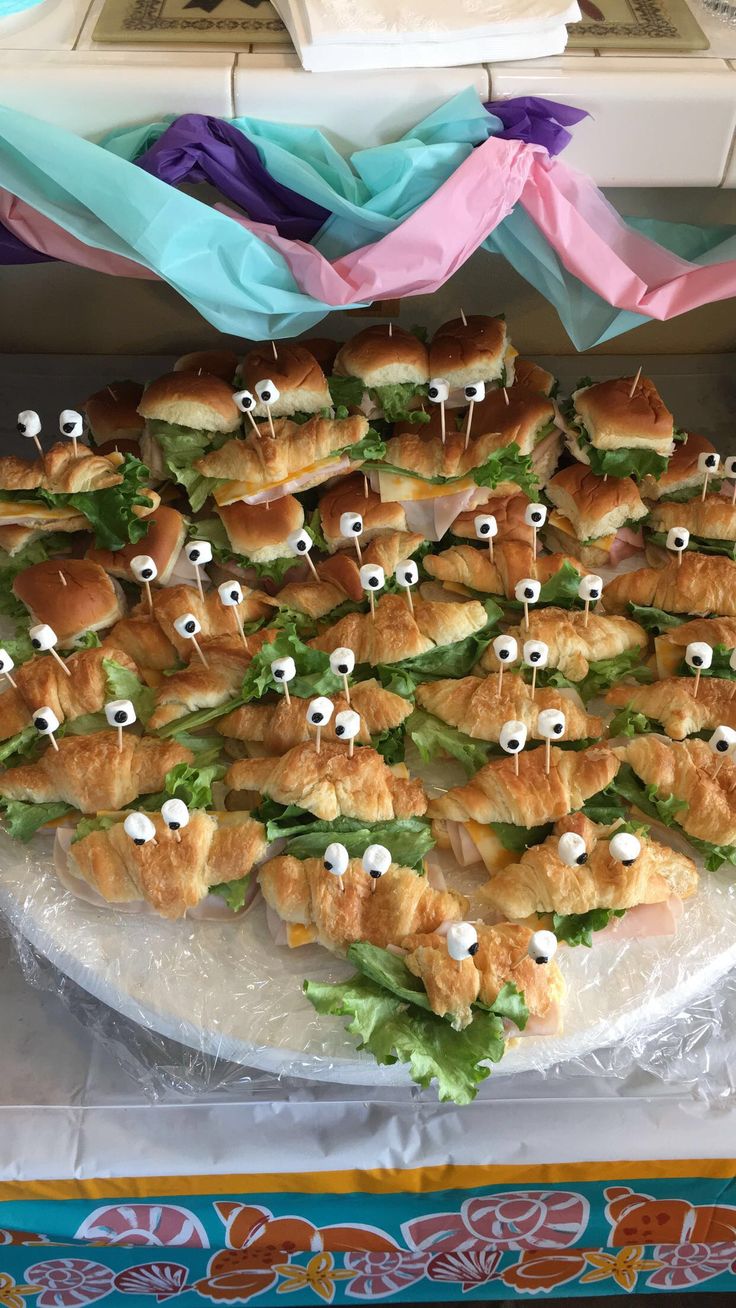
602, 673
409, 839
19, 646
624, 462
561, 589
87, 825
578, 928
655, 620
346, 391
720, 667
685, 495
629, 722
233, 892
665, 809
89, 640
699, 544
18, 747
313, 675
434, 739
605, 807
505, 464
55, 542
396, 399
181, 447
511, 1004
391, 744
123, 684
110, 512
390, 971
186, 781
455, 660
518, 839
206, 749
22, 821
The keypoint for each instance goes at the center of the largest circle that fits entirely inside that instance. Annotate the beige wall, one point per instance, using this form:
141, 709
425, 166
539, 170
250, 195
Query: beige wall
58, 309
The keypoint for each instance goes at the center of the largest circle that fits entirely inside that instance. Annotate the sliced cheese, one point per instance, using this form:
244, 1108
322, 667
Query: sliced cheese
492, 852
297, 935
558, 520
32, 513
230, 491
392, 487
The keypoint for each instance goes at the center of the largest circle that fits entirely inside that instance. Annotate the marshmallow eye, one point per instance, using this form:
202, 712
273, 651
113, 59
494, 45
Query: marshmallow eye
140, 828
231, 594
708, 462
535, 515
336, 859
351, 524
506, 649
462, 941
407, 574
143, 568
267, 391
571, 849
625, 848
475, 391
698, 655
45, 721
42, 637
536, 653
283, 669
320, 711
6, 663
678, 539
512, 737
372, 576
376, 861
342, 661
198, 552
729, 465
438, 390
29, 423
527, 590
722, 741
542, 947
71, 423
551, 724
120, 713
187, 626
591, 587
299, 542
485, 525
245, 401
175, 814
347, 725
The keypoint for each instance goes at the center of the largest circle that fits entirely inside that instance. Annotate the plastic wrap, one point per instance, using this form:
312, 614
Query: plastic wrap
197, 1006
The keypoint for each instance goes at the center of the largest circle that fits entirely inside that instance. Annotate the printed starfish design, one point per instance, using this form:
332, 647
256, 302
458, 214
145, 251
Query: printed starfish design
319, 1275
623, 1266
11, 1295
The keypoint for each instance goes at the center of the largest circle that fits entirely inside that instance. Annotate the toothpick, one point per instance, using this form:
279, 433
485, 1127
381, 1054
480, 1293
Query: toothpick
149, 596
526, 616
490, 548
516, 764
254, 424
409, 600
547, 756
373, 605
239, 627
506, 396
444, 429
534, 679
341, 884
60, 662
346, 687
358, 550
679, 560
464, 319
733, 496
534, 544
312, 568
39, 446
705, 486
177, 833
586, 619
75, 451
287, 695
199, 582
697, 683
52, 738
365, 493
374, 883
635, 383
351, 748
111, 392
120, 738
318, 741
469, 423
500, 680
270, 421
390, 329
198, 648
62, 578
10, 679
275, 351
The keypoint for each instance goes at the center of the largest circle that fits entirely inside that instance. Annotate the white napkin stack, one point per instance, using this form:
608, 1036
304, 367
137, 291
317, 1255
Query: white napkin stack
346, 35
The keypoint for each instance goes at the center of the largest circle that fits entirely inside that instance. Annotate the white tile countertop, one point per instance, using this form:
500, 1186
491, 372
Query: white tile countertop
656, 120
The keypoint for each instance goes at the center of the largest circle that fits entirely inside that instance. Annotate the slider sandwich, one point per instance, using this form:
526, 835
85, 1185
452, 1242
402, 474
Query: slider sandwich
590, 876
115, 425
274, 728
166, 531
701, 584
671, 706
474, 350
685, 786
617, 433
73, 596
350, 495
670, 646
251, 543
300, 385
591, 657
187, 414
682, 479
596, 520
218, 363
170, 875
710, 523
385, 371
498, 813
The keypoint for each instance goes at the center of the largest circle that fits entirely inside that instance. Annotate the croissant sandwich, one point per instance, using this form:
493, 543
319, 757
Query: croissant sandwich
575, 648
719, 633
479, 707
275, 728
468, 568
672, 706
396, 634
711, 523
42, 681
700, 584
91, 773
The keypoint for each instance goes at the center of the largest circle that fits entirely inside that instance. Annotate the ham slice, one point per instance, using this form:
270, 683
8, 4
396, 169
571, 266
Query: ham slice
625, 543
464, 849
645, 920
432, 518
301, 481
550, 1024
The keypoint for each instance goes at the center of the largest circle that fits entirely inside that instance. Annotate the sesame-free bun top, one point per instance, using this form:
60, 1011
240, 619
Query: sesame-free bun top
347, 495
471, 351
615, 419
163, 541
260, 533
199, 401
294, 370
380, 358
218, 363
112, 412
530, 376
324, 350
682, 471
595, 506
89, 601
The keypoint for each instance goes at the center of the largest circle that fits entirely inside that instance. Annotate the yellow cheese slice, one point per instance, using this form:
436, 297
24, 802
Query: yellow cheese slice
297, 935
230, 491
43, 515
392, 488
558, 520
492, 852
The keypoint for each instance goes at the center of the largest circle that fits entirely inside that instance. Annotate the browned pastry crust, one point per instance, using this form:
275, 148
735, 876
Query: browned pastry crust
172, 875
425, 455
673, 703
496, 794
339, 575
197, 686
330, 784
215, 620
502, 957
541, 883
163, 541
474, 705
42, 681
395, 634
143, 639
347, 495
715, 516
60, 470
682, 469
391, 549
92, 774
259, 461
615, 418
670, 647
478, 343
18, 474
686, 770
572, 645
470, 565
702, 583
295, 372
304, 893
280, 726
